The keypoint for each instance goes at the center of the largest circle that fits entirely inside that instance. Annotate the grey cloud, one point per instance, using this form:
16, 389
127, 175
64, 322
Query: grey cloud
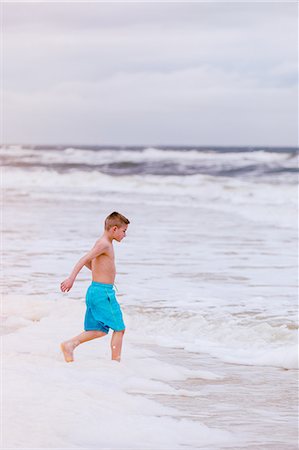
166, 73
91, 15
99, 54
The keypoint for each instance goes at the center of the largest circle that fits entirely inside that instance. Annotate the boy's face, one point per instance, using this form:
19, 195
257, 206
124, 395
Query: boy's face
119, 232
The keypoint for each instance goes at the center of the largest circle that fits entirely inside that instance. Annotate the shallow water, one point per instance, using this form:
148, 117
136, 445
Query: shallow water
259, 404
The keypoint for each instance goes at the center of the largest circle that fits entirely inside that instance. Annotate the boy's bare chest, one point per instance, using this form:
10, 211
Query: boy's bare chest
106, 258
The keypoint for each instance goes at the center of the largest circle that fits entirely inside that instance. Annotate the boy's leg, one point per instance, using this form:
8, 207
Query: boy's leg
68, 347
116, 344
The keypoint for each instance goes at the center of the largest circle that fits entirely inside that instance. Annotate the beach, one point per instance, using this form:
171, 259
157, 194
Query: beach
206, 279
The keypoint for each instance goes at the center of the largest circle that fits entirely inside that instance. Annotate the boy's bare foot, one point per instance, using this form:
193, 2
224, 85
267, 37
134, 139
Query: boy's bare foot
67, 349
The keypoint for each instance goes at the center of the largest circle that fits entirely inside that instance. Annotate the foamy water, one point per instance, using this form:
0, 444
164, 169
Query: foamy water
207, 282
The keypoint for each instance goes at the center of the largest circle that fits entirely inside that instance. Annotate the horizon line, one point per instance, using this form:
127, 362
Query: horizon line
146, 145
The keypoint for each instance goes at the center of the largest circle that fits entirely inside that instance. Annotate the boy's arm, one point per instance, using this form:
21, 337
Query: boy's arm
97, 250
88, 265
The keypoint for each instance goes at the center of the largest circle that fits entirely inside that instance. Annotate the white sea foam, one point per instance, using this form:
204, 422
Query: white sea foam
260, 202
91, 398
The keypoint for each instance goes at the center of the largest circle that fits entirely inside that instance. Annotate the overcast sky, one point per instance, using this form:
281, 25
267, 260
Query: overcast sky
150, 73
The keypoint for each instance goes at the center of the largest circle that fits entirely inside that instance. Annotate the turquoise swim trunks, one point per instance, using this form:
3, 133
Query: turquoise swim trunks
102, 309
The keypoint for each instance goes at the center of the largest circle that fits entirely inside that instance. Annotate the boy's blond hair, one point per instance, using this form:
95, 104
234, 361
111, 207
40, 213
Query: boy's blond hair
115, 219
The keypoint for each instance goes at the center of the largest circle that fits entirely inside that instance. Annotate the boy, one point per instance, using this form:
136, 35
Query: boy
102, 309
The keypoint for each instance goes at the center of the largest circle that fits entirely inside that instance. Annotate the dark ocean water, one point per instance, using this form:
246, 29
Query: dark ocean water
240, 162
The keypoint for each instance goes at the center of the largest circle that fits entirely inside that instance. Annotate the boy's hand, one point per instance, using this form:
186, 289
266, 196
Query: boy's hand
66, 285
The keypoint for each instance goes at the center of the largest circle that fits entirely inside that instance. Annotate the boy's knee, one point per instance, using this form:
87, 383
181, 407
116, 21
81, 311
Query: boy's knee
121, 331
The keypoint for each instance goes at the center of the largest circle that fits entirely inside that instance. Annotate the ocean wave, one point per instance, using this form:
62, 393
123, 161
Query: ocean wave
259, 202
255, 163
240, 341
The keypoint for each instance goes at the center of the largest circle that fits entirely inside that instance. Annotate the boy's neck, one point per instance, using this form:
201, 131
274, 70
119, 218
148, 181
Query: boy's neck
108, 236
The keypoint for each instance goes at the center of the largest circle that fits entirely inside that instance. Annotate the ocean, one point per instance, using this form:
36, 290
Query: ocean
207, 281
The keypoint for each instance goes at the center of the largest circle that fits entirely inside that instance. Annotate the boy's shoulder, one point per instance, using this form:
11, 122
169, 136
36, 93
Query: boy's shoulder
103, 242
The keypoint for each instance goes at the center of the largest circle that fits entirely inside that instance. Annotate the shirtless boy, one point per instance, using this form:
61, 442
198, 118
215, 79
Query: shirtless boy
102, 309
